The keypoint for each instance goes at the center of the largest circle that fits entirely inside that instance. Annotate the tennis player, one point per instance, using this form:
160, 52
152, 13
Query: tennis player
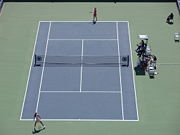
94, 16
37, 119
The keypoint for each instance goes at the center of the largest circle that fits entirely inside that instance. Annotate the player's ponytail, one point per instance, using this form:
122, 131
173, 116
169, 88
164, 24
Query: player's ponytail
35, 114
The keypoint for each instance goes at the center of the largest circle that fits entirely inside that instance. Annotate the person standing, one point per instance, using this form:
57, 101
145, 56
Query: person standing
37, 119
170, 18
94, 16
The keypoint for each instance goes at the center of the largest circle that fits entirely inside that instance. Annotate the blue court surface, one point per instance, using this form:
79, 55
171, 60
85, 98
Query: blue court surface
81, 92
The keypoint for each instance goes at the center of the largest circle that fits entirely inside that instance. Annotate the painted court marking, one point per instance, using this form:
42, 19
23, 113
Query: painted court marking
122, 106
83, 39
81, 65
42, 73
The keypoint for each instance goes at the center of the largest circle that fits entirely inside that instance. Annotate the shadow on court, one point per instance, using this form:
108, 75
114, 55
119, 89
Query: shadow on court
139, 70
37, 131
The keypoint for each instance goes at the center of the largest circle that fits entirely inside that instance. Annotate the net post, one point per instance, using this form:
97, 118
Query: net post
127, 61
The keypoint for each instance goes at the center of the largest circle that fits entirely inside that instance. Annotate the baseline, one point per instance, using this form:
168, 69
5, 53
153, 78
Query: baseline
83, 120
60, 91
134, 84
84, 21
82, 39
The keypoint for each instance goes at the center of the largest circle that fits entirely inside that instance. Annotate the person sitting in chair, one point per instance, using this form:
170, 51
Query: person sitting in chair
169, 19
141, 48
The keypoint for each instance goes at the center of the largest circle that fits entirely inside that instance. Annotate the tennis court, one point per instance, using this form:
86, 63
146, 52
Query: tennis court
81, 71
21, 40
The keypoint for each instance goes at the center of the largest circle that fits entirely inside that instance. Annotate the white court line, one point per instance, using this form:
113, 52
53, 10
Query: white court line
122, 105
83, 39
84, 21
84, 91
30, 69
42, 73
81, 65
87, 119
83, 120
133, 73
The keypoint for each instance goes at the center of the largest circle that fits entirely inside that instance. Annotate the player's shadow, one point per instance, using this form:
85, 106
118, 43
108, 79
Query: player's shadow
139, 70
170, 23
37, 131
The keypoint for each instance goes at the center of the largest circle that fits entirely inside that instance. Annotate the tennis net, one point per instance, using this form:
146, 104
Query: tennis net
50, 61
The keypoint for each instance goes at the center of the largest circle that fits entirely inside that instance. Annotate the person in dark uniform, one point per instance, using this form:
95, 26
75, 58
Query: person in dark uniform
37, 119
141, 48
170, 18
